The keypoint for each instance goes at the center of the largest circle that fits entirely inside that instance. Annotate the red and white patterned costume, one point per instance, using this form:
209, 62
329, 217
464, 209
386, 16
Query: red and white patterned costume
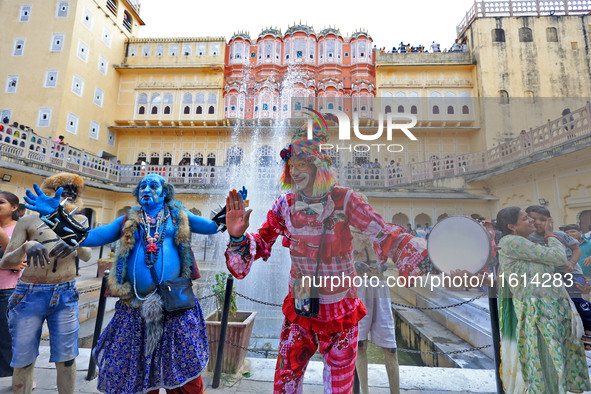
334, 330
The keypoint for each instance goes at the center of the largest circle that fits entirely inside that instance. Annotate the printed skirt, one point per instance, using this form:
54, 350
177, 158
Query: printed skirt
180, 356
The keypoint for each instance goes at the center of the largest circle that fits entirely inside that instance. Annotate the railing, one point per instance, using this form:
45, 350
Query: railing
18, 145
493, 9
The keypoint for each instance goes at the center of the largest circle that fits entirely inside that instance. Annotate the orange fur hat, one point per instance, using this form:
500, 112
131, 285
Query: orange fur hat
51, 184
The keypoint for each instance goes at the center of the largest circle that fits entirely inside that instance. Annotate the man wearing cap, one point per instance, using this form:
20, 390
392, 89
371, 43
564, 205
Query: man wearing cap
313, 217
46, 291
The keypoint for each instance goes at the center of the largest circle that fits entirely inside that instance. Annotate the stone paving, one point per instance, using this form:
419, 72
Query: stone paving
413, 379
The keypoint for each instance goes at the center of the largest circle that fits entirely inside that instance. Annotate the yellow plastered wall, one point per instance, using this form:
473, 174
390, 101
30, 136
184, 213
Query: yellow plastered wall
93, 41
529, 72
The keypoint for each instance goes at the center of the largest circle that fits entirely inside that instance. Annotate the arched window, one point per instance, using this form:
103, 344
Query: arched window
167, 159
211, 110
187, 110
525, 35
156, 99
265, 156
187, 98
199, 110
154, 158
465, 110
551, 34
154, 110
400, 109
127, 21
167, 110
330, 106
234, 155
199, 98
388, 109
142, 102
503, 97
112, 6
360, 157
435, 110
265, 107
211, 159
498, 35
450, 109
212, 98
413, 109
199, 159
298, 106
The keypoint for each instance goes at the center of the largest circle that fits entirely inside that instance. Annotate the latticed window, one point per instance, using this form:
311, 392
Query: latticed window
112, 6
127, 21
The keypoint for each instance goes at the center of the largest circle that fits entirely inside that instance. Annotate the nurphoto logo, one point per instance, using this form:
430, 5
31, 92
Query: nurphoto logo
401, 121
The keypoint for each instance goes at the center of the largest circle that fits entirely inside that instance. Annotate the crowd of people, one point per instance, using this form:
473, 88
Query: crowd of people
457, 46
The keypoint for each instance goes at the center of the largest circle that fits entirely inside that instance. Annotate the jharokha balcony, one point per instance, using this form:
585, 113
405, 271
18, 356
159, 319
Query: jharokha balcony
27, 151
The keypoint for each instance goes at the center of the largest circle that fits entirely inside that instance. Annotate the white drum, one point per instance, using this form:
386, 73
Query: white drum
459, 243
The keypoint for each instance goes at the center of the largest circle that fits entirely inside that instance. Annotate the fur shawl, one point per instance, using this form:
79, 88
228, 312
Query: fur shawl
118, 283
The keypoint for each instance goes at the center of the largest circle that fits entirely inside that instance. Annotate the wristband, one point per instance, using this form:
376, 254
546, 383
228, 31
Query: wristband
66, 227
237, 240
548, 236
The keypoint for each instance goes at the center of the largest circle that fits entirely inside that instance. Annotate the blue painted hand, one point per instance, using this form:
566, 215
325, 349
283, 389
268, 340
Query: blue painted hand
41, 202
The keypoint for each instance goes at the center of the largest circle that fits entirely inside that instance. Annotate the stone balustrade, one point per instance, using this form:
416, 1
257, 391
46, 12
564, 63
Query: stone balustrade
32, 150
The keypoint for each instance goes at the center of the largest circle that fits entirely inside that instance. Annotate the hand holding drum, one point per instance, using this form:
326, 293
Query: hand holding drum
459, 243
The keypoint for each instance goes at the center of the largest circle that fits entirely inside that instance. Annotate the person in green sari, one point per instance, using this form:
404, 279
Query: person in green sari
541, 350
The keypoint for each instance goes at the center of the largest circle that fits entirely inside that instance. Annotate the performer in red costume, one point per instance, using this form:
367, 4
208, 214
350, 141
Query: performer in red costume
313, 217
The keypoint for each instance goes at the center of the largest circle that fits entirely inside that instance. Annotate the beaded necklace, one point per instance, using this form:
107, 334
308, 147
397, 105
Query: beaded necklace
152, 244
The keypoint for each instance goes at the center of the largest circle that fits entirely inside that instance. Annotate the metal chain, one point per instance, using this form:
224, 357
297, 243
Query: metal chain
257, 301
263, 352
439, 307
92, 289
472, 349
97, 288
211, 295
267, 353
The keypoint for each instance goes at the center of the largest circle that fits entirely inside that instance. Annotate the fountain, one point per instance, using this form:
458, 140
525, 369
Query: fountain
258, 168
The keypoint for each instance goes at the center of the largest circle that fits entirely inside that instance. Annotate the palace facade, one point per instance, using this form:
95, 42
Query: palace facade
505, 122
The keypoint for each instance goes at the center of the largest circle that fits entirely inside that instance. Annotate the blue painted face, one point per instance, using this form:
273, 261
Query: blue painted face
151, 193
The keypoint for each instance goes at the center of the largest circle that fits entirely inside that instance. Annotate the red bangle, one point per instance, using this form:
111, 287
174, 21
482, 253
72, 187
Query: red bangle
548, 236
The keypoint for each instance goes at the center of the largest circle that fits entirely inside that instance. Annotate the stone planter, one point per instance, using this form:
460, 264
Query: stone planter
238, 331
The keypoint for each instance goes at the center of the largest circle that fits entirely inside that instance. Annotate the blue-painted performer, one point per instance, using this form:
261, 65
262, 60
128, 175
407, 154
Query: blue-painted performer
145, 346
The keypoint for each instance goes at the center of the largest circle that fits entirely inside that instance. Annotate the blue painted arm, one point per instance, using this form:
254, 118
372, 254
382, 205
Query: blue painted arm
104, 234
201, 225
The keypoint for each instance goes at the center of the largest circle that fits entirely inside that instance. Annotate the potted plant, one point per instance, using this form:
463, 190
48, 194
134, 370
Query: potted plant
239, 329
